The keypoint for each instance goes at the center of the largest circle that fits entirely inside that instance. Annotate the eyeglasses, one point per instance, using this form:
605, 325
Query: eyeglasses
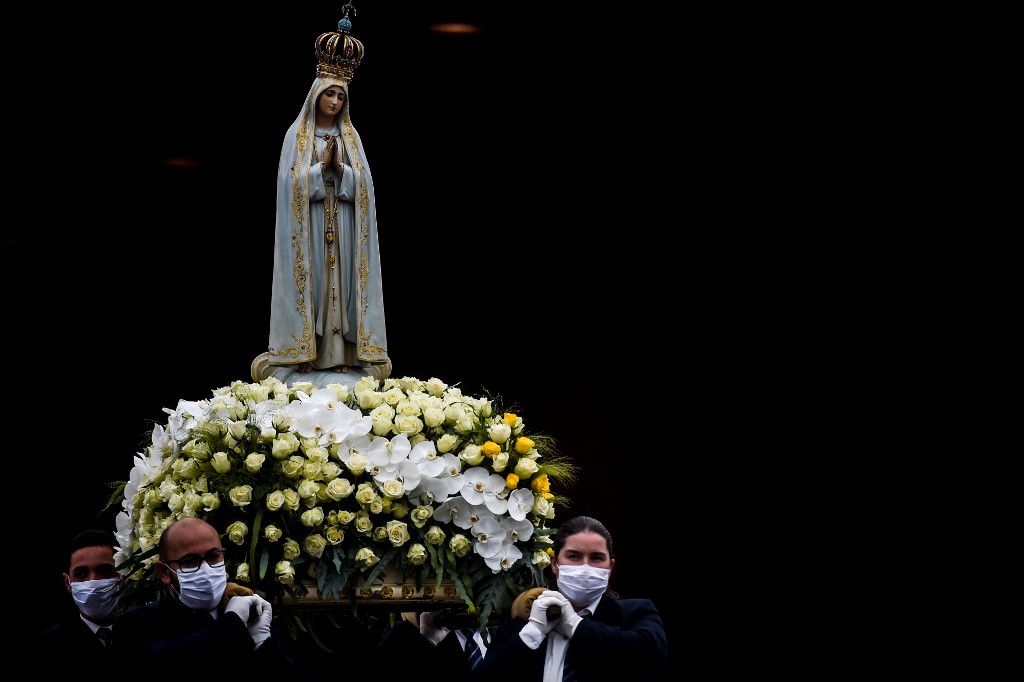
192, 562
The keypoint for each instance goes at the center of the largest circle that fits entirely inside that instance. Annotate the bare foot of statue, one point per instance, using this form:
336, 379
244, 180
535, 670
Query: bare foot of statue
305, 368
341, 369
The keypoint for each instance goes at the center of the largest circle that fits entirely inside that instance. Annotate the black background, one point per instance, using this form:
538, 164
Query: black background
543, 238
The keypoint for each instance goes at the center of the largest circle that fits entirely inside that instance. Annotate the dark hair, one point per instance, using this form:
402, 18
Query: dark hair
581, 524
90, 537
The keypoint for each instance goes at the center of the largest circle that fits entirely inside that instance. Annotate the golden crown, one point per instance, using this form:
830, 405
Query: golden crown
338, 53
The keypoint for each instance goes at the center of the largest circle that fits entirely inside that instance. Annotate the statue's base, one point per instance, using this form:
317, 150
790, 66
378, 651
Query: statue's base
289, 374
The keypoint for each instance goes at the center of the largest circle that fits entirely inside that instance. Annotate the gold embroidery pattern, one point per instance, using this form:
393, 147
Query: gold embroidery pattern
305, 345
366, 351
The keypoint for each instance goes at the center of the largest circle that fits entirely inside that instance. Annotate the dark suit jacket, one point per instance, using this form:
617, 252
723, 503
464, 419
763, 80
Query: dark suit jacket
404, 645
69, 647
166, 635
621, 632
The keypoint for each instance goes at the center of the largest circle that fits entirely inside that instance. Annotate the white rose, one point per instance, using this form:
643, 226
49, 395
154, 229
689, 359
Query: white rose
366, 557
392, 489
341, 391
499, 462
393, 396
472, 455
291, 499
308, 489
408, 408
314, 545
369, 400
398, 532
236, 532
435, 535
210, 501
410, 384
499, 433
381, 425
284, 445
220, 462
447, 442
408, 424
330, 471
525, 468
334, 535
292, 467
435, 387
275, 501
363, 523
237, 430
311, 470
240, 495
273, 533
339, 488
284, 572
312, 517
317, 454
417, 554
433, 417
357, 463
254, 462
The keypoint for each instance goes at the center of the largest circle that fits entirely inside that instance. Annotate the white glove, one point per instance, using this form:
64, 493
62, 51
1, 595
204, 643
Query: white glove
259, 628
430, 629
569, 620
534, 632
241, 607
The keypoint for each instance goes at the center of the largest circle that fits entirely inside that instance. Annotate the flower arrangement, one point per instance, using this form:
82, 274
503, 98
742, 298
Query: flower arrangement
335, 484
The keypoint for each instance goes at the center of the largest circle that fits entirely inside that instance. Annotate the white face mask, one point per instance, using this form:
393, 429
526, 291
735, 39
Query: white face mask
203, 588
96, 598
582, 585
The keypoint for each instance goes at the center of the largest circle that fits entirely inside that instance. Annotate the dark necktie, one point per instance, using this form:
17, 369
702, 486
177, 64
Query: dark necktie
104, 635
569, 667
473, 653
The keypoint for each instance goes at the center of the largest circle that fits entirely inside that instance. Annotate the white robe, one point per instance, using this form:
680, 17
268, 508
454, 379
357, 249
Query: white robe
321, 313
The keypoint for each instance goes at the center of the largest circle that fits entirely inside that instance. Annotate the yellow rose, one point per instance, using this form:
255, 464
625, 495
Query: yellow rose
523, 445
490, 449
511, 481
